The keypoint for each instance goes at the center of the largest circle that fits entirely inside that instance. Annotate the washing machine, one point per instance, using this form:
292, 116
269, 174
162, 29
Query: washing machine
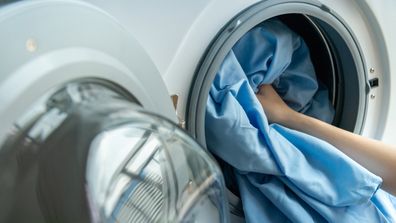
352, 46
88, 125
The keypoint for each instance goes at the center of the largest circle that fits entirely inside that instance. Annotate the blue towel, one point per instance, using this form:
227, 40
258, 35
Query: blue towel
284, 175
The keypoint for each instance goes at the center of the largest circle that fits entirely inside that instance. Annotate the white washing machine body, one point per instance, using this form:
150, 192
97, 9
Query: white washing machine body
384, 19
178, 35
145, 51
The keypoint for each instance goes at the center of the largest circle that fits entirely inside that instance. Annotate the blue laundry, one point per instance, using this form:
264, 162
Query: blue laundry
273, 54
285, 175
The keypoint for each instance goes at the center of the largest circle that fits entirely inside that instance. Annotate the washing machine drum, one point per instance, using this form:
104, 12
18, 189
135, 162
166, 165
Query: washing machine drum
79, 137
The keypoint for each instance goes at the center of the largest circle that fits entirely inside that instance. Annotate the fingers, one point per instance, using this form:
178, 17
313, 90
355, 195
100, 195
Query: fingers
274, 107
266, 91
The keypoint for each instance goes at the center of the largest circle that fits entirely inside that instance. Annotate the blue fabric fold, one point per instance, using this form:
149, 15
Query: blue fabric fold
284, 175
272, 53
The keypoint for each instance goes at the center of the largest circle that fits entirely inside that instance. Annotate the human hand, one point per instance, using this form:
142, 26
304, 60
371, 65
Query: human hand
275, 108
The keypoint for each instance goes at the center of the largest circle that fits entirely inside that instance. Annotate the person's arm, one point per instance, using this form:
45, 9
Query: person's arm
376, 156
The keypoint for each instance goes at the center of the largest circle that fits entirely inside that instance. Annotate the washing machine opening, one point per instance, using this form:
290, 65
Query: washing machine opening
87, 151
335, 67
334, 53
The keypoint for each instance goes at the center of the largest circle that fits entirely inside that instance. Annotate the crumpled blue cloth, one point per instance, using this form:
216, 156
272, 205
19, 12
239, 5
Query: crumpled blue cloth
273, 54
285, 175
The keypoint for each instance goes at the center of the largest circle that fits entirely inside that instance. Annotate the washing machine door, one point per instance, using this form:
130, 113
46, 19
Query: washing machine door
80, 138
